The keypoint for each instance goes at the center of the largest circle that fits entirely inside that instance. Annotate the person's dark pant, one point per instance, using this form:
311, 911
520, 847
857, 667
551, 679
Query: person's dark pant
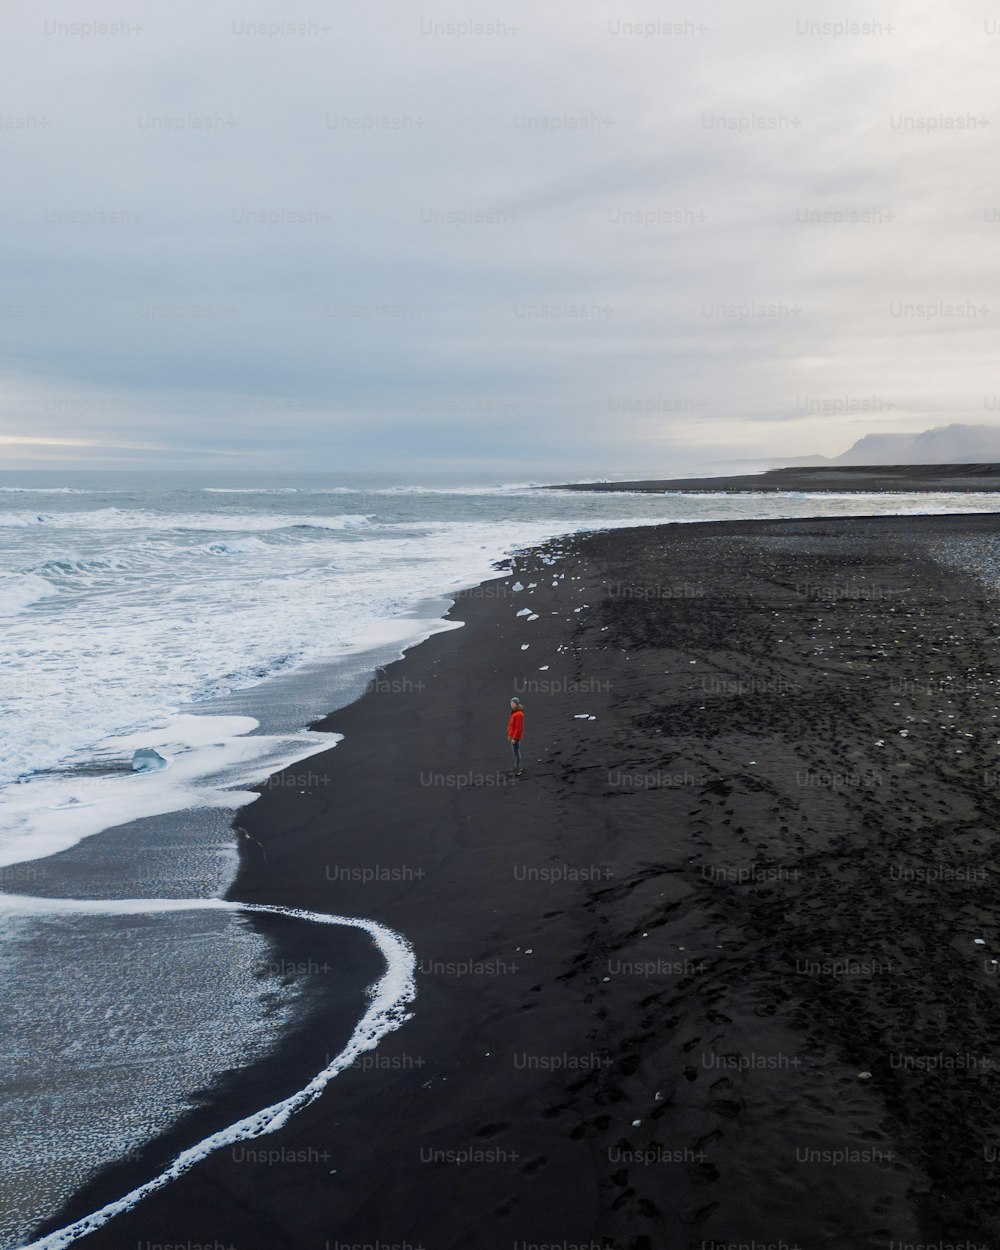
515, 746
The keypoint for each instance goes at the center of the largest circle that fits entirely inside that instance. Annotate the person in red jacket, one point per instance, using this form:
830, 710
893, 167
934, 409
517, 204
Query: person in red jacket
515, 732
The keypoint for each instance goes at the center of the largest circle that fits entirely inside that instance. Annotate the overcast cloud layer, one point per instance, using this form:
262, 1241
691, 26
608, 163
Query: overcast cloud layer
565, 237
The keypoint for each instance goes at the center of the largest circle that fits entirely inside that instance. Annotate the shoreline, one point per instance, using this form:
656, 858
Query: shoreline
519, 896
893, 479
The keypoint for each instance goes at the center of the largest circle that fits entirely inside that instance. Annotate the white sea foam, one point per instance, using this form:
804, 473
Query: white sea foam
234, 546
210, 758
20, 590
21, 520
502, 489
133, 519
346, 522
146, 623
390, 998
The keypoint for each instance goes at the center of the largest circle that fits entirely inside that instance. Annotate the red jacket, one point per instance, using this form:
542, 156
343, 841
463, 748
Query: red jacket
515, 726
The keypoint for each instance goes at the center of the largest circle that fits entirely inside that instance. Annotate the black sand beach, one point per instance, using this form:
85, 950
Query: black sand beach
852, 479
708, 973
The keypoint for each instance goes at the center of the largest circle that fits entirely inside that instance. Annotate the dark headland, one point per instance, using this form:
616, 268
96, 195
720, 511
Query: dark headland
720, 969
854, 479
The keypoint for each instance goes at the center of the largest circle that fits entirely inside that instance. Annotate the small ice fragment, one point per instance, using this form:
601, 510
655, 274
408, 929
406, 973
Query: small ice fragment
524, 612
636, 1123
582, 716
979, 941
532, 617
529, 950
517, 586
864, 1076
146, 760
542, 668
524, 646
591, 718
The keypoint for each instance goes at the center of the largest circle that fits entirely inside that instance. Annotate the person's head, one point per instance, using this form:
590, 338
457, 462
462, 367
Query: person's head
515, 705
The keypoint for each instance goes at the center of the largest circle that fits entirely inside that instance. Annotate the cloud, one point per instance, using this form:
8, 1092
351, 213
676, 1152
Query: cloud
16, 440
578, 237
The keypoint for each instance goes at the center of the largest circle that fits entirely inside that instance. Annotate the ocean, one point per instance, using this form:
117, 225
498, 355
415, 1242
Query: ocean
210, 617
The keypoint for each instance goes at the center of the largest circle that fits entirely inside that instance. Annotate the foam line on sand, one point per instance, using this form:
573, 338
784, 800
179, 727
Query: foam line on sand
387, 1011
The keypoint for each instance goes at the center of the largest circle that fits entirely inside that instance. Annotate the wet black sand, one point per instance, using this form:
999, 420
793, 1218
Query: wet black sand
739, 906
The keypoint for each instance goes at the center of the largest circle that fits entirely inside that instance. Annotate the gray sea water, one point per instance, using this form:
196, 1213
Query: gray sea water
210, 617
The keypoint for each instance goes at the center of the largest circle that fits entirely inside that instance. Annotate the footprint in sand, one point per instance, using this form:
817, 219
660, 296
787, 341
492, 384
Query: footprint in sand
532, 1166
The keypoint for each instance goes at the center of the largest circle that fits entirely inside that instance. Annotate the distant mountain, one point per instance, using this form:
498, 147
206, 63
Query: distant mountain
945, 444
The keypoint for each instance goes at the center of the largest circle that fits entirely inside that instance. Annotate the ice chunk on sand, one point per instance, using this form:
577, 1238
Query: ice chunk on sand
146, 760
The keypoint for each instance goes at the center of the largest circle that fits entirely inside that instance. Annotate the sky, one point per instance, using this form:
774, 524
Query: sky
563, 237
